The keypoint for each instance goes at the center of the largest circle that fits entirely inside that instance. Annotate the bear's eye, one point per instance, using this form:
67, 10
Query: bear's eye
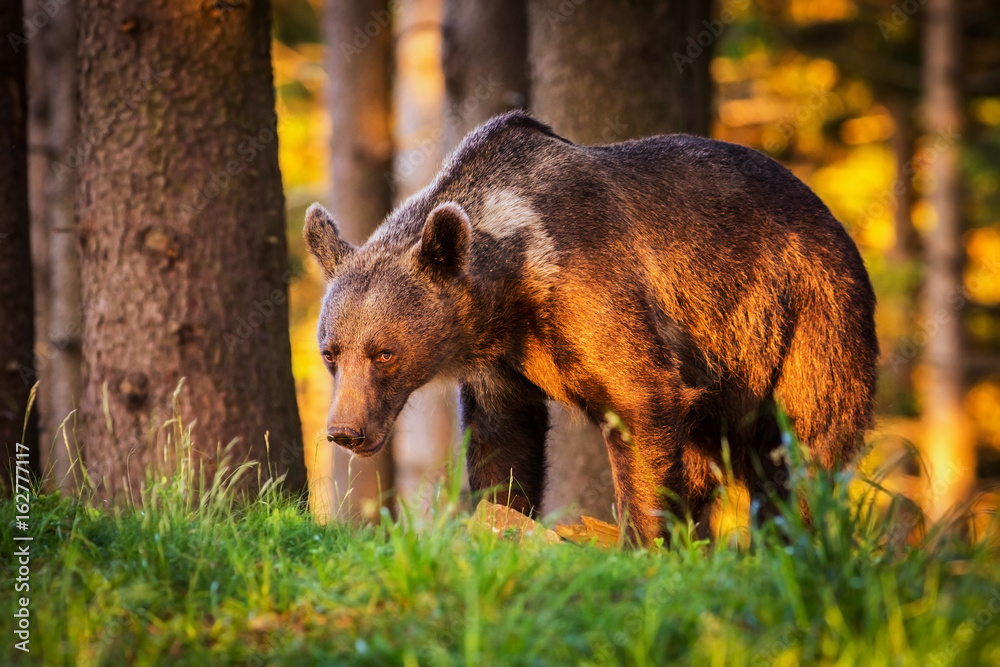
384, 356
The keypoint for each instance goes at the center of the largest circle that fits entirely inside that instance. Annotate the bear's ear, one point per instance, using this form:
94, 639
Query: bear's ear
444, 244
323, 240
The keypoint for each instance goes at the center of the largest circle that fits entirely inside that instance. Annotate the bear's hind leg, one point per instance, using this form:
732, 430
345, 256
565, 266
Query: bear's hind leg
700, 483
508, 420
650, 479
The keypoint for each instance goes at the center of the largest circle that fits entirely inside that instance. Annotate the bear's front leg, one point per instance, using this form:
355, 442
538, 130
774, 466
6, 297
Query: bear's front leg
508, 419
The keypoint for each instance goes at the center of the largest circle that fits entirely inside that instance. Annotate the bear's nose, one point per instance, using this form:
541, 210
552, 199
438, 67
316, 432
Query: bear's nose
345, 435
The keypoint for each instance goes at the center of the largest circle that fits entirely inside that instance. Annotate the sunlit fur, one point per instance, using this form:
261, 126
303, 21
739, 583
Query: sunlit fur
681, 283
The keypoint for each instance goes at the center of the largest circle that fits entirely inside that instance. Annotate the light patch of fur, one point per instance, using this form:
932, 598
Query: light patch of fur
506, 213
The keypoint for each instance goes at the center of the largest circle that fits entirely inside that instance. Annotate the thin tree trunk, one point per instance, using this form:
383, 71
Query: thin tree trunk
17, 329
184, 262
53, 127
485, 62
39, 164
905, 248
605, 72
949, 445
65, 311
358, 62
425, 430
906, 244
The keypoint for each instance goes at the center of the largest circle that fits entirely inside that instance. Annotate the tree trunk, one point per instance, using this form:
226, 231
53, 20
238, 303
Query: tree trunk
184, 262
17, 329
903, 254
949, 445
485, 62
39, 164
906, 245
425, 431
358, 62
52, 128
609, 71
605, 72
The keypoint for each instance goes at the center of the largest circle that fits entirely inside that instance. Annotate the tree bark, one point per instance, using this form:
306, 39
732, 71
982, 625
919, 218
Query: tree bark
609, 71
52, 131
184, 262
358, 62
949, 445
906, 245
604, 72
17, 329
904, 252
485, 62
39, 164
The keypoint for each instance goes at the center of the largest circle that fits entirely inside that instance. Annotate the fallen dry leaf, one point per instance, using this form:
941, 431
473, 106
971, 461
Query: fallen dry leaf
590, 530
509, 523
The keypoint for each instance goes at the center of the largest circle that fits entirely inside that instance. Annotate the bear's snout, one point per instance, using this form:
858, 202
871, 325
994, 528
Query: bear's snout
346, 435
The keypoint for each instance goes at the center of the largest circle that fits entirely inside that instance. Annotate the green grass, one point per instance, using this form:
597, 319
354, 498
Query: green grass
208, 580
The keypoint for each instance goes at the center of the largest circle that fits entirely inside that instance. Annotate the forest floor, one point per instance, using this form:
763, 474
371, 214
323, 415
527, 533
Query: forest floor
205, 579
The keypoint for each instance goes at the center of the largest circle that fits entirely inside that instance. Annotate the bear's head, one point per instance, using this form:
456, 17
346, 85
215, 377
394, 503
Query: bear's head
390, 320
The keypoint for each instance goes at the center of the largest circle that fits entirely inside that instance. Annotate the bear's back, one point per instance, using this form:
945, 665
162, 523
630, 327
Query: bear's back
678, 199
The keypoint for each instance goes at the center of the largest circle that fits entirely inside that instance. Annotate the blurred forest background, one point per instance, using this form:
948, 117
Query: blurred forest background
888, 109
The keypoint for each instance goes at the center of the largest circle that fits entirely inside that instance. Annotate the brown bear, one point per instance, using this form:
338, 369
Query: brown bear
674, 288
